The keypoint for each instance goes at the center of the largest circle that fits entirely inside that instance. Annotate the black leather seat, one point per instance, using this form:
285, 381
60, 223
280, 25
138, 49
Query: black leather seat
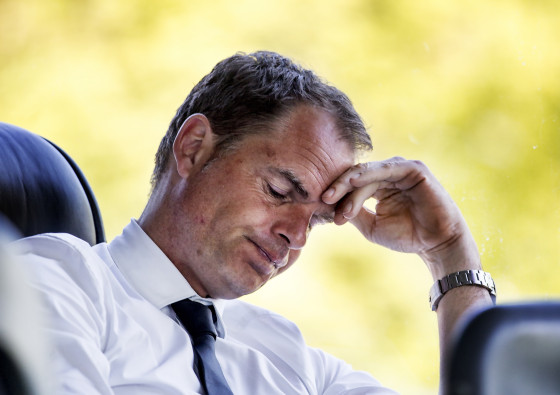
508, 350
43, 190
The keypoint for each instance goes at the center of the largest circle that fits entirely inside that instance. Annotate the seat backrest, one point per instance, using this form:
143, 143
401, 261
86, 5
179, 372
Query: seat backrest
42, 189
508, 350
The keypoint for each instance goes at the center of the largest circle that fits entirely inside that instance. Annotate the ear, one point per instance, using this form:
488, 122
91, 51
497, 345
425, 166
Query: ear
193, 145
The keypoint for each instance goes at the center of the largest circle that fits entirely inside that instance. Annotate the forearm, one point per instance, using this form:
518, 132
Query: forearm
458, 302
414, 214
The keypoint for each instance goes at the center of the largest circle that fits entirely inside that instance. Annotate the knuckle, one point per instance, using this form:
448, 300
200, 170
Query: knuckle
388, 164
419, 163
362, 166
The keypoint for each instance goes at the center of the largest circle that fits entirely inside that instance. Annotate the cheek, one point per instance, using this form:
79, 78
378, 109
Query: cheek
200, 219
249, 203
237, 214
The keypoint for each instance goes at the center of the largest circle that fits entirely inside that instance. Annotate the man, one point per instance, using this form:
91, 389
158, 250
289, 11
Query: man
260, 152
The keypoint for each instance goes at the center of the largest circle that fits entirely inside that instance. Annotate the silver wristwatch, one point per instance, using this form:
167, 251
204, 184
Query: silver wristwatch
458, 279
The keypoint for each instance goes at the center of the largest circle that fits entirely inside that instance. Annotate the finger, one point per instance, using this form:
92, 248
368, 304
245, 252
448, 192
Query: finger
401, 175
384, 193
365, 222
354, 202
363, 173
345, 184
341, 186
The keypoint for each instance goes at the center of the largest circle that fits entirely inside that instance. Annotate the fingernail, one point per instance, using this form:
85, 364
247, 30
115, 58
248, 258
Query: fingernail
347, 210
328, 193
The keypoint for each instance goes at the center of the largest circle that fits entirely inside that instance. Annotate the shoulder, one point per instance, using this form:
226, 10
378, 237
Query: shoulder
60, 256
51, 244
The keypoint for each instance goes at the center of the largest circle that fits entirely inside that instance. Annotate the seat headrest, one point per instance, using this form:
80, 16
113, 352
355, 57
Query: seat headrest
507, 349
42, 189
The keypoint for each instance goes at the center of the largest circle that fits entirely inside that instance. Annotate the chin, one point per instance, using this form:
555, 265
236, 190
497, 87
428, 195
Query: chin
236, 290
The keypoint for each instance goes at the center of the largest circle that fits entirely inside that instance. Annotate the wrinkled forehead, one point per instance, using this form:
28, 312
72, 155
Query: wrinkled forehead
311, 146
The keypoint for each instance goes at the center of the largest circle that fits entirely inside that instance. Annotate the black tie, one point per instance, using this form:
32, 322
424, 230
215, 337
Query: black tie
197, 319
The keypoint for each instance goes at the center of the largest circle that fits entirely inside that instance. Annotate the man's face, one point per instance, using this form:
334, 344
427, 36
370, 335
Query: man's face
246, 216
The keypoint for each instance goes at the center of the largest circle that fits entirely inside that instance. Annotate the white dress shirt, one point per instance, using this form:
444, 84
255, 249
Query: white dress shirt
114, 332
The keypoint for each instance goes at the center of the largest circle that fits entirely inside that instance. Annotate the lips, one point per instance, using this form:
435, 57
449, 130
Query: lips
275, 259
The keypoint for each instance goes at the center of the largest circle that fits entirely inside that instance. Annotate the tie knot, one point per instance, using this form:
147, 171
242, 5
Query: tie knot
195, 317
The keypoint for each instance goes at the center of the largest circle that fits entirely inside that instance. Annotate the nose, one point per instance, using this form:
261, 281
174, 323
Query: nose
292, 225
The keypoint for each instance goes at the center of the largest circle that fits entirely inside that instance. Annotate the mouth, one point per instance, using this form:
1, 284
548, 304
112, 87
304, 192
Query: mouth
270, 263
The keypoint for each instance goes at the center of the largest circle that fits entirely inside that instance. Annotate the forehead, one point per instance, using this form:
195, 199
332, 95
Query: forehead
307, 142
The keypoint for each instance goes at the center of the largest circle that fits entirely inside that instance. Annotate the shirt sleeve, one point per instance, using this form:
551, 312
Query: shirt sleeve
70, 285
336, 377
282, 342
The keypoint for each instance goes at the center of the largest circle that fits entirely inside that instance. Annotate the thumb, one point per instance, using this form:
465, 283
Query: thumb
365, 222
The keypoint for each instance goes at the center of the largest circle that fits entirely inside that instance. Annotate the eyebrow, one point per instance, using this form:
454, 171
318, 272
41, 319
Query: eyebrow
300, 189
293, 179
324, 218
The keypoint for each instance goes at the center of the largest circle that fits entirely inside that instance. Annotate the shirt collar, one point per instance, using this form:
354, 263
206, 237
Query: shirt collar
152, 274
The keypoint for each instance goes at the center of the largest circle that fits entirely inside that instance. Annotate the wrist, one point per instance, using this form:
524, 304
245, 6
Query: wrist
476, 278
460, 253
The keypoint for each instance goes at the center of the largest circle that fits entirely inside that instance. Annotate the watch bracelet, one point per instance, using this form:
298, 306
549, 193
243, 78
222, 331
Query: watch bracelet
457, 279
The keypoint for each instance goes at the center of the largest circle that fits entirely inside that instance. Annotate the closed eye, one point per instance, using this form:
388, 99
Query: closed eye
275, 193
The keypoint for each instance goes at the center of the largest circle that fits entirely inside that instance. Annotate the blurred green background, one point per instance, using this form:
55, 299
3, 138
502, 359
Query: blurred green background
471, 88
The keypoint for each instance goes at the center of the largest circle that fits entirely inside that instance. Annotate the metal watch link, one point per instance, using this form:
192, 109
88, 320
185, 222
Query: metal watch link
464, 277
